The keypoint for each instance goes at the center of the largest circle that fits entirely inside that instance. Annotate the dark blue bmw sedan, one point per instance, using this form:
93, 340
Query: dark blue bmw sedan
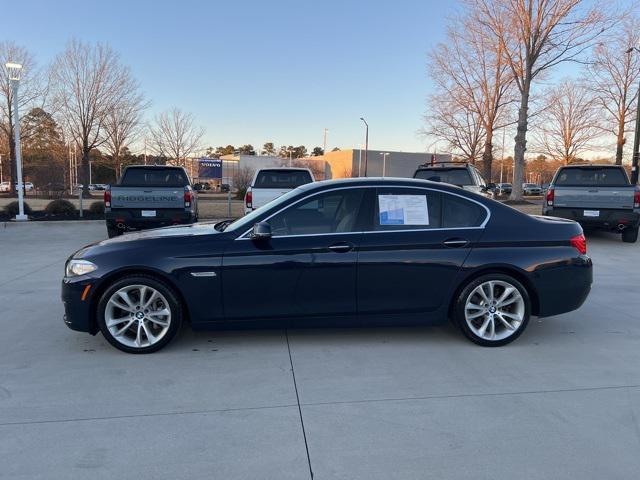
343, 252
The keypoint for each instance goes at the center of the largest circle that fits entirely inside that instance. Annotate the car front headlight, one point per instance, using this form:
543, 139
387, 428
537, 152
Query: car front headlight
75, 268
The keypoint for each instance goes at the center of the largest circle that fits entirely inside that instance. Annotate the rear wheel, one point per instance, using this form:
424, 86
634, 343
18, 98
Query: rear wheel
493, 310
139, 314
630, 235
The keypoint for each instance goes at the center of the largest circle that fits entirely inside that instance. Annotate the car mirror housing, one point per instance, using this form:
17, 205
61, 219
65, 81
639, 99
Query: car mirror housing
261, 231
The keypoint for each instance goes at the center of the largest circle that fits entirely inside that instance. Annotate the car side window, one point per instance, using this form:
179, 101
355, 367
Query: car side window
326, 213
458, 212
406, 209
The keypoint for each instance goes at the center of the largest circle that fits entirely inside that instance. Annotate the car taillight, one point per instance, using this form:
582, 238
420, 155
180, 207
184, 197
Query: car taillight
107, 198
636, 198
550, 196
188, 198
248, 199
579, 243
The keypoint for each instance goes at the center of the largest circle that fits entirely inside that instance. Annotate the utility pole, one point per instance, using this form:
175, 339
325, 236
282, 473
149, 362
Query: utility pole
366, 145
636, 138
14, 70
504, 131
324, 141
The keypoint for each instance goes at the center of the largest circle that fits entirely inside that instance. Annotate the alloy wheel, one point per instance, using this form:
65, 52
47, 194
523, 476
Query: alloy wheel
494, 310
137, 316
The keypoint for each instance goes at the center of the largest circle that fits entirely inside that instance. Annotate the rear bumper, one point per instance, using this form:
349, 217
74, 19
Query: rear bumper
133, 220
608, 219
564, 287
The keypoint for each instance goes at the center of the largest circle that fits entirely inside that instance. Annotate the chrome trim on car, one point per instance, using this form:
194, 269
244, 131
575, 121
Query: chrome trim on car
481, 226
204, 274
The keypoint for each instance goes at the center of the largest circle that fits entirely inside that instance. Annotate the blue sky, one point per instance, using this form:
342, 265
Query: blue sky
257, 71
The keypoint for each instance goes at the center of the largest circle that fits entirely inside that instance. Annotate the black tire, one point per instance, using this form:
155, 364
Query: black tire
113, 231
461, 300
630, 235
174, 306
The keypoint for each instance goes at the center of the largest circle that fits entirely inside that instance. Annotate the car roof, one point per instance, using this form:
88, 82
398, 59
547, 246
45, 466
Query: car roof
591, 165
386, 181
284, 168
155, 166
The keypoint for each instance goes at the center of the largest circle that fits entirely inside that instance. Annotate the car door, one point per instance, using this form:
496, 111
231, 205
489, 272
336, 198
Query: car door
408, 264
306, 269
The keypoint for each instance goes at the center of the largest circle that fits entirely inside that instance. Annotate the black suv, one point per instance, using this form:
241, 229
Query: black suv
455, 173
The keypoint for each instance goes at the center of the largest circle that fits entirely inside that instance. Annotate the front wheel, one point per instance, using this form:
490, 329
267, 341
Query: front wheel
630, 235
139, 314
493, 310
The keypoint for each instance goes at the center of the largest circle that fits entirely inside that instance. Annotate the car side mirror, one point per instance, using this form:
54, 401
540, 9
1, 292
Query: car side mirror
261, 231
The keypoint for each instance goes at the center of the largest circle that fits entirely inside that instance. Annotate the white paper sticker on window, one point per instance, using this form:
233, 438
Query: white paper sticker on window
403, 210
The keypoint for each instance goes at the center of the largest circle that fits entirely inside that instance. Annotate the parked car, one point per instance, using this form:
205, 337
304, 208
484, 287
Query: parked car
5, 187
198, 187
531, 189
225, 187
97, 186
150, 197
269, 183
597, 196
455, 173
503, 189
340, 252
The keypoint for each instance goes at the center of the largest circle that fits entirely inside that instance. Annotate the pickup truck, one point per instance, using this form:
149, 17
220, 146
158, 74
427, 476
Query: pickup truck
596, 196
460, 174
269, 183
149, 197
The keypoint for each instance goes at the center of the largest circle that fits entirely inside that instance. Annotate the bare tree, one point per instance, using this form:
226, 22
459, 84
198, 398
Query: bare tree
570, 124
175, 136
242, 179
89, 81
123, 124
459, 127
614, 77
470, 67
31, 94
537, 35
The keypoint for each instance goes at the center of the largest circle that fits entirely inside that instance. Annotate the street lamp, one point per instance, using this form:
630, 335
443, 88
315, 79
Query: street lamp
290, 150
384, 163
636, 138
324, 142
366, 145
13, 72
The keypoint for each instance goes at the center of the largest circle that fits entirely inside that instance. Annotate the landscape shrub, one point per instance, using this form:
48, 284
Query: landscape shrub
60, 207
12, 209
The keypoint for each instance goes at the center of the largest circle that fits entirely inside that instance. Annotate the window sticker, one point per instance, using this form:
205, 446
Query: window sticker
403, 210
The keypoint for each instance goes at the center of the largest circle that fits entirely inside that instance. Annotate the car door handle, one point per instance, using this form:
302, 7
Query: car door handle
455, 242
341, 247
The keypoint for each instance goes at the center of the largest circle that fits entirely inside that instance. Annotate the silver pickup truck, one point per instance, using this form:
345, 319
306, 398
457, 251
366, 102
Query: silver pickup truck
150, 197
596, 196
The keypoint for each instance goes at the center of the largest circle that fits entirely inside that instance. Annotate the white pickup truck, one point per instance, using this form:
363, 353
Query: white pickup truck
270, 183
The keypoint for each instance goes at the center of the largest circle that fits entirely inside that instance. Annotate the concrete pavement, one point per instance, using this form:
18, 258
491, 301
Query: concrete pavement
561, 402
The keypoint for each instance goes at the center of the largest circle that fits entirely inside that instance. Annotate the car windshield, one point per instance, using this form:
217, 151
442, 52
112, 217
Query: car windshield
457, 176
154, 177
592, 177
282, 178
249, 219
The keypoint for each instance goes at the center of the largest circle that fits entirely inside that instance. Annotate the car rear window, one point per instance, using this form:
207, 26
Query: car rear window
458, 176
591, 177
154, 177
282, 178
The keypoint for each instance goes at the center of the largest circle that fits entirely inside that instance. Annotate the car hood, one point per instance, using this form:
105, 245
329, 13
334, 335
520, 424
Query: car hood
130, 239
202, 228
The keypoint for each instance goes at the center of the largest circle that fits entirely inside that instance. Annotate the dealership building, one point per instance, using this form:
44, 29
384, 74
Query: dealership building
338, 164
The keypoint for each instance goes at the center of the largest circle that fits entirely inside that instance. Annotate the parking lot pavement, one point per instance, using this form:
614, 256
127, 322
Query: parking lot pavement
561, 402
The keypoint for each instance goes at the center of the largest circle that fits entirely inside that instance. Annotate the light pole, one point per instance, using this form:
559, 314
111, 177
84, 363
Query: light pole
384, 163
504, 131
1, 177
636, 138
324, 141
366, 145
290, 156
13, 71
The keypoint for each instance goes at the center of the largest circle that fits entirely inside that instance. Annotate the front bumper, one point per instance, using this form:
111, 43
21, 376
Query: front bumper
608, 219
77, 295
